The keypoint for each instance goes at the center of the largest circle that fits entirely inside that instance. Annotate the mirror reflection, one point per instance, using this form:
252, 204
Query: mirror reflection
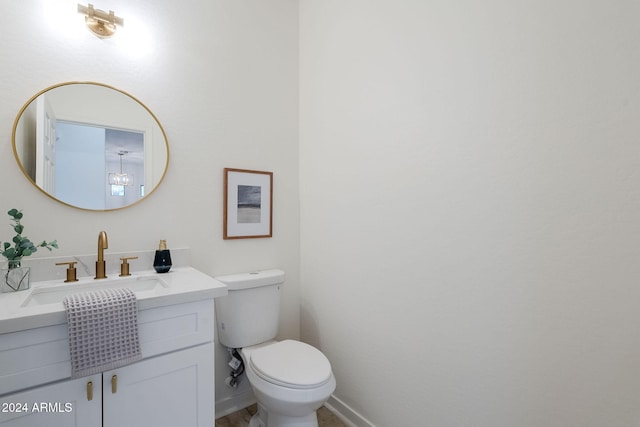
90, 146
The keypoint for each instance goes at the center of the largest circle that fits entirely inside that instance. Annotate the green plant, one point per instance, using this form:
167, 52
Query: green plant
22, 246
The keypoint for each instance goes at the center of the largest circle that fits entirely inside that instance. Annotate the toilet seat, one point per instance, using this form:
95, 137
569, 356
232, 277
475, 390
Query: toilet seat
291, 364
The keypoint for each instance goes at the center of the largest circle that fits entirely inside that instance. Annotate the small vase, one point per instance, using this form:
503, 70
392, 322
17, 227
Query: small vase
14, 277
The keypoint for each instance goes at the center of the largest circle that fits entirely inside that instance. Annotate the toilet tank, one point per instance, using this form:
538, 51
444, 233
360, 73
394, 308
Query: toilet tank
249, 314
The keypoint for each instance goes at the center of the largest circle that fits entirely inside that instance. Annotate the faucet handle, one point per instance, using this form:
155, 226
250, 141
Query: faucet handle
71, 270
124, 267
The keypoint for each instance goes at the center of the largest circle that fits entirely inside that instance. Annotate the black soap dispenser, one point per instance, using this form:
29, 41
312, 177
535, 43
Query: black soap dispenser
162, 260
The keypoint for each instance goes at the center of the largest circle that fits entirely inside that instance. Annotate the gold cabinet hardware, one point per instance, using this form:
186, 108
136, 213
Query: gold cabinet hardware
124, 267
90, 390
71, 270
114, 384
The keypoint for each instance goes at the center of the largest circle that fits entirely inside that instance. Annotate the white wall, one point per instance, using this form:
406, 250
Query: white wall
221, 76
470, 209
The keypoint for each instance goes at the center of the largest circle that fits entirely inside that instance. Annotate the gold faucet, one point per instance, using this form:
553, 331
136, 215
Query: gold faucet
103, 243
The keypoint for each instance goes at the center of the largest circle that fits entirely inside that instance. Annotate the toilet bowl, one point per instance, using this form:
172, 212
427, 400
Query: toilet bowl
290, 381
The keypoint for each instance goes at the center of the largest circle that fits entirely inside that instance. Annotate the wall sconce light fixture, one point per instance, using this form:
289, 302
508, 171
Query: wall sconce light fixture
99, 22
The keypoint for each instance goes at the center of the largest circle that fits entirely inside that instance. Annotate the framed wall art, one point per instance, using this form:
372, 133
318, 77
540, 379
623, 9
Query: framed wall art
248, 204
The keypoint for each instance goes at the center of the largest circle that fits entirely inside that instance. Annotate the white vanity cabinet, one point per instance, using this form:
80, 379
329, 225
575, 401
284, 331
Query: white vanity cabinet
173, 385
62, 404
171, 390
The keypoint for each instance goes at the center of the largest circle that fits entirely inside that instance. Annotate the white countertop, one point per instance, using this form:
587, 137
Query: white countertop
180, 285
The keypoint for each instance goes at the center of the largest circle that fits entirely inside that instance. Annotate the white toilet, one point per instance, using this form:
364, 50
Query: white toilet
290, 379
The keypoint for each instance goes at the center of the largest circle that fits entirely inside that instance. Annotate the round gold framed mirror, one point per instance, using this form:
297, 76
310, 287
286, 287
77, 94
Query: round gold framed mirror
90, 146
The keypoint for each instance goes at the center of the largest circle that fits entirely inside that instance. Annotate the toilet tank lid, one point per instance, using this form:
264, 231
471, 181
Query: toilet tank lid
253, 279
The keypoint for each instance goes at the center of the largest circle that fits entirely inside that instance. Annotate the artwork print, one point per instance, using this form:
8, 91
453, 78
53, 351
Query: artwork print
249, 202
248, 209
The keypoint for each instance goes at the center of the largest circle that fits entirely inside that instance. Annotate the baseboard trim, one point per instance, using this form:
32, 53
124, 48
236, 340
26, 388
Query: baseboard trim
346, 414
343, 411
234, 403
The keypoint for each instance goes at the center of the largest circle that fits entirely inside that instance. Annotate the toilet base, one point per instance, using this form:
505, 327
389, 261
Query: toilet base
264, 419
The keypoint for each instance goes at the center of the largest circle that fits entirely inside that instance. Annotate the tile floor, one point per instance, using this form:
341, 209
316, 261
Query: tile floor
241, 418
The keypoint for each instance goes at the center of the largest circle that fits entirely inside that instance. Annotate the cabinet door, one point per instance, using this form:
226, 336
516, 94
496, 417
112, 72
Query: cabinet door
64, 404
176, 389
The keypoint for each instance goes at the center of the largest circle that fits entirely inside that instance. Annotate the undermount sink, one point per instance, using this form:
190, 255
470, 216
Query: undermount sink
141, 285
42, 304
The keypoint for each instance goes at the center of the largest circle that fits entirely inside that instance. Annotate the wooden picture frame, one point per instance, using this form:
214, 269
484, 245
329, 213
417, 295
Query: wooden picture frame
248, 204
